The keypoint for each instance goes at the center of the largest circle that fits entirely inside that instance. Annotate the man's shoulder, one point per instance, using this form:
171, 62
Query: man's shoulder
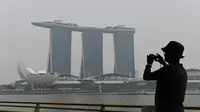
175, 66
167, 68
171, 68
178, 69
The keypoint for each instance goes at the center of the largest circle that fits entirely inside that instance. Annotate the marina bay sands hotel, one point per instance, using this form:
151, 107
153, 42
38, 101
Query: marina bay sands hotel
59, 59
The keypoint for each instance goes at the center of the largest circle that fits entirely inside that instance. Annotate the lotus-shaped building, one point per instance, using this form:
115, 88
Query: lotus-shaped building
39, 78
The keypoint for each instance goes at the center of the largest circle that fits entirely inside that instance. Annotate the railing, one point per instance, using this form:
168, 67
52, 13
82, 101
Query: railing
101, 107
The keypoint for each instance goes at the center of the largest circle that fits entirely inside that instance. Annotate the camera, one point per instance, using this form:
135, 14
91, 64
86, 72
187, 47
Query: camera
155, 57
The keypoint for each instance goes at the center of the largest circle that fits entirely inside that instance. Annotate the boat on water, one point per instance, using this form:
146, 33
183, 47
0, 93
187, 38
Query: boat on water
42, 82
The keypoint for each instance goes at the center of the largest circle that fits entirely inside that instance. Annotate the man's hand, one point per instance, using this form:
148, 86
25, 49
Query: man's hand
160, 59
150, 59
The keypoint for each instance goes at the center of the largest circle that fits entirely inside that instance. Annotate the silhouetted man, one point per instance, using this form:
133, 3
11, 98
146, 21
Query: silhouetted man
171, 78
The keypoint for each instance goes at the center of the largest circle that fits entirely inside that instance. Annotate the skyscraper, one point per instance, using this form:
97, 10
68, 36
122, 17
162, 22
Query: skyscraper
92, 54
60, 51
124, 53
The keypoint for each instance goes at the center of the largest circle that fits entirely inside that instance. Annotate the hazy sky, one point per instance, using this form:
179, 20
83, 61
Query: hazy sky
156, 22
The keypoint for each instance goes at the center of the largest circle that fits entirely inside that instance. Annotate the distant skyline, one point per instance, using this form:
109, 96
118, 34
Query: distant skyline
156, 23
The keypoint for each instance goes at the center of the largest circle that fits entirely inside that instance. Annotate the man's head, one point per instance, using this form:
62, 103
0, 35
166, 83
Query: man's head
173, 51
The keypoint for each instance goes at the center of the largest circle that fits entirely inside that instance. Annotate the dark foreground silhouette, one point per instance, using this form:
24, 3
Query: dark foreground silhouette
171, 78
